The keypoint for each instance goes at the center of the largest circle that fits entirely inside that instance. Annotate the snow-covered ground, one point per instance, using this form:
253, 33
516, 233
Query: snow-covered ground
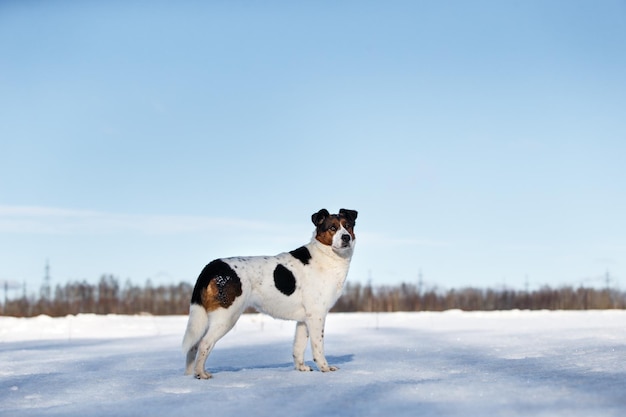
411, 364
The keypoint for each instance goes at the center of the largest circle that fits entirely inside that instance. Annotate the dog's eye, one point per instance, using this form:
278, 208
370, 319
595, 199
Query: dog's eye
348, 226
333, 228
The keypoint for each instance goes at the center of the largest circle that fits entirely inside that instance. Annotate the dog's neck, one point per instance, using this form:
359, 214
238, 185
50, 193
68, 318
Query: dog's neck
327, 250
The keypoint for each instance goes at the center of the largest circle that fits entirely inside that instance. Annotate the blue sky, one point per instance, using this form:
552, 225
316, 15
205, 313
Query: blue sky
483, 143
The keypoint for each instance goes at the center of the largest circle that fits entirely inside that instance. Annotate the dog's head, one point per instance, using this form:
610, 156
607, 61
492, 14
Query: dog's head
336, 230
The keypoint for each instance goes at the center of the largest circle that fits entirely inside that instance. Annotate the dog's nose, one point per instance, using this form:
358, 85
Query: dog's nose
345, 238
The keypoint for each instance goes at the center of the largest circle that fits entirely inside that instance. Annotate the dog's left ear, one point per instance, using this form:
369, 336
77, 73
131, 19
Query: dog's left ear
348, 214
319, 217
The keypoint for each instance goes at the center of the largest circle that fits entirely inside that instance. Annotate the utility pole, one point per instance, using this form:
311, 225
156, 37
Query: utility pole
370, 292
45, 290
7, 285
420, 281
526, 293
609, 294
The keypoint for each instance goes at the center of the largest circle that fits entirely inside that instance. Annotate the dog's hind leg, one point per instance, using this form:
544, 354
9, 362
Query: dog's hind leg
204, 349
197, 326
299, 346
220, 323
191, 358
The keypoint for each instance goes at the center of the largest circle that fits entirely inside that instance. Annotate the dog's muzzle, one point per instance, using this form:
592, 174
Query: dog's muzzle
345, 240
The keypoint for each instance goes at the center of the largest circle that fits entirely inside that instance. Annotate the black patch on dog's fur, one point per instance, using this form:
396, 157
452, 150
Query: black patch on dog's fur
302, 254
227, 283
284, 280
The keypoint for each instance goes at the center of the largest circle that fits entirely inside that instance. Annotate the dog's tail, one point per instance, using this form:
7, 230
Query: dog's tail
196, 327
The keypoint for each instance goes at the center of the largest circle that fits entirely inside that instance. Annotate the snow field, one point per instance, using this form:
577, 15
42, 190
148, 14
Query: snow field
514, 363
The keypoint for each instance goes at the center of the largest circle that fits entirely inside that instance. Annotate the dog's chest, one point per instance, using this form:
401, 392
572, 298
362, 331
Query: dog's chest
328, 276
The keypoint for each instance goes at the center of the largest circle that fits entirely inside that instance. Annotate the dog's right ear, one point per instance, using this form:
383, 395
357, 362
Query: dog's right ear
319, 217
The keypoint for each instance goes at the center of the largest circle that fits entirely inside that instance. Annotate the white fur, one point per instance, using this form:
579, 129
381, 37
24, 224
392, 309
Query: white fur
318, 286
197, 326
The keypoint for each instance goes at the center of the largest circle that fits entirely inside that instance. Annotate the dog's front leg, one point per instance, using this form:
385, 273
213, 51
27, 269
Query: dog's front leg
315, 325
299, 346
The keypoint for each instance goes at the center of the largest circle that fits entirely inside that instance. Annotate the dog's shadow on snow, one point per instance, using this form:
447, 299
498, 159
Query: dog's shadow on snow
332, 360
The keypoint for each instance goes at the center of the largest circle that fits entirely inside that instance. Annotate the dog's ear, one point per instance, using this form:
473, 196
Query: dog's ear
348, 214
319, 217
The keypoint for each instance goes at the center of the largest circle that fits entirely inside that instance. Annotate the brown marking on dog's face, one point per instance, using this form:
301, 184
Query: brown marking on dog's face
221, 292
327, 224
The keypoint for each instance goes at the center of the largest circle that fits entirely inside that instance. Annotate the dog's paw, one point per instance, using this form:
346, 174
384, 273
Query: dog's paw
203, 375
329, 368
304, 368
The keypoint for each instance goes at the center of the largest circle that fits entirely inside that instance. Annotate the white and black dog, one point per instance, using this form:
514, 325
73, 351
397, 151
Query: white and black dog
300, 285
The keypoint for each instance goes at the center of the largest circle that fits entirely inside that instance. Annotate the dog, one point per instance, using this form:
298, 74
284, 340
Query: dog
300, 285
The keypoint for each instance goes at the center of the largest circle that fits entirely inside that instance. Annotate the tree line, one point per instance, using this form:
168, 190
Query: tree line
409, 297
108, 296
